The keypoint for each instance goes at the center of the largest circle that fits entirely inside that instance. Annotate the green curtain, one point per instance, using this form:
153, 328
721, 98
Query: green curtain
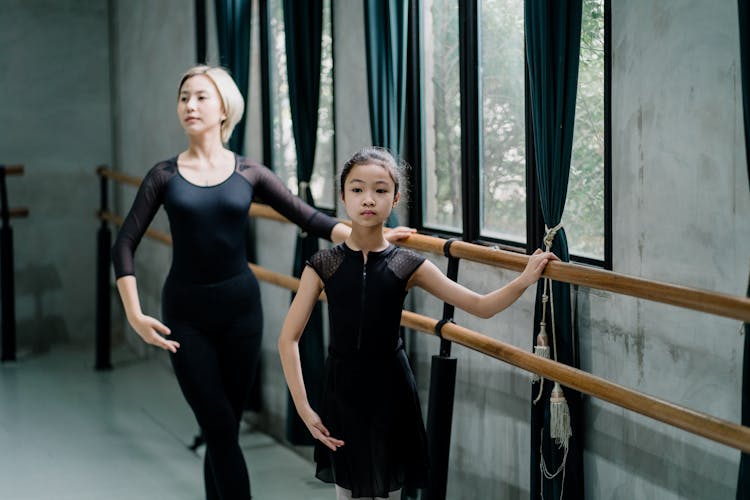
743, 481
386, 25
303, 28
553, 36
233, 30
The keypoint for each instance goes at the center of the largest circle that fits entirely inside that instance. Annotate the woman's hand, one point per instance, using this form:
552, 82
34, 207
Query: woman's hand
535, 266
151, 330
392, 235
318, 430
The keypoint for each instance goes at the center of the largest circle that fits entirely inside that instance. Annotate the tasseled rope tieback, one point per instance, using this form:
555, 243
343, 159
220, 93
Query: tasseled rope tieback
560, 429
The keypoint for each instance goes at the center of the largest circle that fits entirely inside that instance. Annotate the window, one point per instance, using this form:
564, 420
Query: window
496, 31
284, 153
441, 182
584, 208
503, 168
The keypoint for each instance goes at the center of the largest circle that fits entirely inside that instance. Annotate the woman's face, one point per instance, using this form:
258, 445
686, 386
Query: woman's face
199, 106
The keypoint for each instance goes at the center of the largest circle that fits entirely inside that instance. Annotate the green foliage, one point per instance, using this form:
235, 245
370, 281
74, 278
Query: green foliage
503, 169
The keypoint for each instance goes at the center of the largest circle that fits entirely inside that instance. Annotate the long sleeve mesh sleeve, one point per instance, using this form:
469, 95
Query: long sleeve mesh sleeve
273, 192
145, 205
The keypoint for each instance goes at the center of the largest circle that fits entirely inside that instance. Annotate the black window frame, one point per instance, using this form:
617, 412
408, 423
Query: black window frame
469, 29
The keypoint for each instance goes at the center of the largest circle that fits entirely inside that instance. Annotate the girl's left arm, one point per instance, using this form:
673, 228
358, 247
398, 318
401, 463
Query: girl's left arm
430, 278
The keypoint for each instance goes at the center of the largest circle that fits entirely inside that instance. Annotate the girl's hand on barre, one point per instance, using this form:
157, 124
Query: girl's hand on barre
395, 234
151, 330
318, 430
535, 266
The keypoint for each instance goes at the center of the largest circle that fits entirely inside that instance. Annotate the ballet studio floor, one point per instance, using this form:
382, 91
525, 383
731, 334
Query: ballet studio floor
68, 432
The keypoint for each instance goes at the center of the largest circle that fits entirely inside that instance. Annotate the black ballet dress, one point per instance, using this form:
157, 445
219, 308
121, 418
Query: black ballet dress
370, 397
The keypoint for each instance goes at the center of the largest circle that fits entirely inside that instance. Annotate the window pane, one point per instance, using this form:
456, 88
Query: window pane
584, 208
285, 155
322, 183
441, 189
503, 169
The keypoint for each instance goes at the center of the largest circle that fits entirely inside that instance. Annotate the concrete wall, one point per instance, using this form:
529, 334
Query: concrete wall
681, 211
54, 57
94, 82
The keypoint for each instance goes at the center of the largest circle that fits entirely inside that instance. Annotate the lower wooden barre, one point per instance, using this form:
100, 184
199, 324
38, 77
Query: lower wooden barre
708, 426
18, 212
13, 169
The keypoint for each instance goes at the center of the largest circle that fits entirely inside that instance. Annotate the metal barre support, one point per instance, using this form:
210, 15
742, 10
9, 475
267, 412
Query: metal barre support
102, 338
7, 281
442, 395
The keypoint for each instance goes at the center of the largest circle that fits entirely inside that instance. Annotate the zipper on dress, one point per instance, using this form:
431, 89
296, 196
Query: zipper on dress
362, 305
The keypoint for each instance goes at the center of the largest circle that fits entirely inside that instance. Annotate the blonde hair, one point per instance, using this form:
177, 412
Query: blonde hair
231, 97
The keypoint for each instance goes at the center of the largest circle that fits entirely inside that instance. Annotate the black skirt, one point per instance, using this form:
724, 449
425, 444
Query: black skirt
371, 404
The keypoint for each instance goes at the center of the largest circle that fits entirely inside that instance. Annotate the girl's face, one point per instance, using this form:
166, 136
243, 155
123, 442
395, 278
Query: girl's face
199, 106
369, 194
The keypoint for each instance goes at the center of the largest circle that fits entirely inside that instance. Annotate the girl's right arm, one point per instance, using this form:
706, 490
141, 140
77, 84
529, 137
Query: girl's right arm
430, 278
299, 312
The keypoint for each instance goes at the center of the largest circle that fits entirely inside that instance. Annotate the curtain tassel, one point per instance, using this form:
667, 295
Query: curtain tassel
541, 348
560, 429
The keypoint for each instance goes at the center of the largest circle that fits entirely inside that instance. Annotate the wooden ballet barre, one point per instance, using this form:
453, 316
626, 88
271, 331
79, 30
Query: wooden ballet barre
708, 426
720, 304
13, 169
118, 176
18, 212
701, 424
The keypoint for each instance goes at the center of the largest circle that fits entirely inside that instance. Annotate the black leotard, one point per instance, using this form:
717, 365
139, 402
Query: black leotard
207, 223
210, 300
370, 399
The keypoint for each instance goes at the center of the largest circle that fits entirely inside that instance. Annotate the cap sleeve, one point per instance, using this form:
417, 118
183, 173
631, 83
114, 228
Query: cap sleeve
403, 262
326, 262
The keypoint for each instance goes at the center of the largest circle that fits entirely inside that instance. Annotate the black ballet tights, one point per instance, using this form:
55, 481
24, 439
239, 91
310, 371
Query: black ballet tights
215, 374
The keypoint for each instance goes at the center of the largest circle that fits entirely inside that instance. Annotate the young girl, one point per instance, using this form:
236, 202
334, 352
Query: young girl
371, 439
